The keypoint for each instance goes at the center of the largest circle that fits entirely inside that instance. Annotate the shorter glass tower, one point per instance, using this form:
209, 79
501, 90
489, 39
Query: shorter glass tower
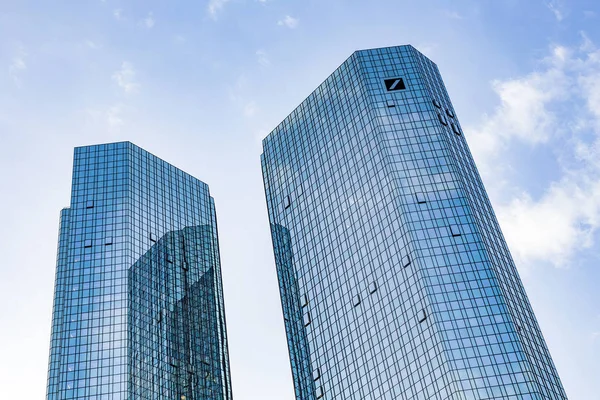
138, 305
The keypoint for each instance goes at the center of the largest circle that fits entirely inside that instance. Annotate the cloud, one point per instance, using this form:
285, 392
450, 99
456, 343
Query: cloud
289, 22
250, 109
428, 49
453, 15
552, 228
556, 9
524, 113
92, 45
240, 94
108, 118
214, 6
114, 117
586, 44
262, 58
125, 78
17, 66
557, 108
149, 21
589, 14
118, 14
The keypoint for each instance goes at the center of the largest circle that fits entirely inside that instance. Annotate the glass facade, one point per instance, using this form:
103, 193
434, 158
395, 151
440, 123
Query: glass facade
395, 279
138, 305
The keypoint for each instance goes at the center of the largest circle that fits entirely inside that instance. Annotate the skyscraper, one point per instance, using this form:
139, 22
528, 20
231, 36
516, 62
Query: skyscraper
395, 279
138, 305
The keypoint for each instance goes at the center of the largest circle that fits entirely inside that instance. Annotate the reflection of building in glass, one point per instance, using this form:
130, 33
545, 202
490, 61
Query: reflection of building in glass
396, 282
292, 310
138, 307
175, 332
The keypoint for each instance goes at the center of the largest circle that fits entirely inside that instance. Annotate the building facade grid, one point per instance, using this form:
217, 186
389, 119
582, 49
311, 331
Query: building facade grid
127, 206
395, 279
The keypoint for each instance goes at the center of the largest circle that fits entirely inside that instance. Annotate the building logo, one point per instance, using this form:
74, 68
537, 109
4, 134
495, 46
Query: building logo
394, 84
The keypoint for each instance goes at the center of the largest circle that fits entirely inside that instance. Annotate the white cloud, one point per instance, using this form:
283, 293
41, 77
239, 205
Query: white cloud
17, 65
556, 9
587, 45
289, 22
149, 21
114, 117
427, 48
92, 44
554, 227
557, 107
263, 59
260, 134
589, 14
118, 14
214, 6
453, 15
250, 109
524, 112
125, 78
107, 118
239, 95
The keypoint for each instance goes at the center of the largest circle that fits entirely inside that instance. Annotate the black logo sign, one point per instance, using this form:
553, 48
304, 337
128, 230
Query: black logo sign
394, 84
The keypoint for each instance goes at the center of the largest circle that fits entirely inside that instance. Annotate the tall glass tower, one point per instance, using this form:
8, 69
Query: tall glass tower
138, 303
395, 279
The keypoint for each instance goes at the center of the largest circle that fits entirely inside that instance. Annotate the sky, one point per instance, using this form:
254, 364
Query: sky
200, 83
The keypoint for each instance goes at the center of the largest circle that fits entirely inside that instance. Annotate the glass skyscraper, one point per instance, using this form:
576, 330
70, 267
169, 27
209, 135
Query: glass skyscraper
395, 279
138, 305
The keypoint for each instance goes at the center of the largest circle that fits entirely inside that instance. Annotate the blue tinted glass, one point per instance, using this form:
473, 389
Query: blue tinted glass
138, 306
370, 182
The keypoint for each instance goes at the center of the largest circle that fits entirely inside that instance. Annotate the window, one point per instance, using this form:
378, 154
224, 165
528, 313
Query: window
316, 374
307, 319
356, 300
153, 237
422, 316
390, 104
437, 104
455, 230
394, 84
185, 265
87, 243
449, 113
108, 241
300, 188
372, 287
456, 129
442, 119
304, 300
287, 202
169, 258
320, 392
89, 204
406, 261
420, 198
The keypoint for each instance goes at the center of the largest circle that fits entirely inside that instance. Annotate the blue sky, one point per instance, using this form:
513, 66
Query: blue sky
199, 83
